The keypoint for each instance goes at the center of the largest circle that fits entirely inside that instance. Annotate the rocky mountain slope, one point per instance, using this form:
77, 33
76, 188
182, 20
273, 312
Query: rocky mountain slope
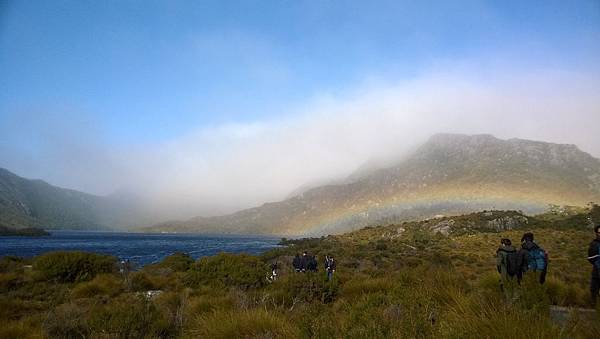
449, 174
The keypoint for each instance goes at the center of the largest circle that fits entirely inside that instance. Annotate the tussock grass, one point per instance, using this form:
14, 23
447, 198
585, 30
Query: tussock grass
252, 323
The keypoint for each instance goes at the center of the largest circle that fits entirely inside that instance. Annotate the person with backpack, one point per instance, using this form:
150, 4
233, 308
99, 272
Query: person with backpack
533, 257
297, 263
594, 259
304, 261
507, 263
312, 263
274, 267
329, 266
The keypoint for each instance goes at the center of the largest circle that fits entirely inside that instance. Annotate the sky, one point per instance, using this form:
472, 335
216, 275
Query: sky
207, 107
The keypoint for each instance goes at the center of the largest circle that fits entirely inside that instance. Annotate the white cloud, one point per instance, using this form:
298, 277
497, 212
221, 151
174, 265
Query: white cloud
238, 166
224, 168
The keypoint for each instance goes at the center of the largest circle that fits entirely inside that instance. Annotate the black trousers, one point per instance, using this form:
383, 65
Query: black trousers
595, 285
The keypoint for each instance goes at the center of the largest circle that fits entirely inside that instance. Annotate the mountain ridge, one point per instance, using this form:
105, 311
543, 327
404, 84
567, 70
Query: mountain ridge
27, 203
451, 173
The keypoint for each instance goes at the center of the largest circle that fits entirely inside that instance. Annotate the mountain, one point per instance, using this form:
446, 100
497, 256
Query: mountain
449, 174
28, 203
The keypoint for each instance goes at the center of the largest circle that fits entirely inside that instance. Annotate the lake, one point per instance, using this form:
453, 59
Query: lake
139, 248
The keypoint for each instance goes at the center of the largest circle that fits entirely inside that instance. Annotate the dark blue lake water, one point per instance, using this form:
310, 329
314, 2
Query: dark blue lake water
140, 248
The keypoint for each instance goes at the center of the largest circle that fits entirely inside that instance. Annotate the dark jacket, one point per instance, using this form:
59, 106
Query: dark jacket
312, 264
593, 250
297, 263
304, 262
524, 257
501, 259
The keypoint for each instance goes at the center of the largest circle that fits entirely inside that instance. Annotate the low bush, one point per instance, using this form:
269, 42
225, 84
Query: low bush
103, 284
67, 321
141, 281
14, 309
234, 270
129, 316
176, 262
10, 281
305, 287
72, 266
11, 264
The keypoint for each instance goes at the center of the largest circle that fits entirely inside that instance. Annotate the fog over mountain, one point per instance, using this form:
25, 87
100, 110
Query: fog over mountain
225, 168
449, 174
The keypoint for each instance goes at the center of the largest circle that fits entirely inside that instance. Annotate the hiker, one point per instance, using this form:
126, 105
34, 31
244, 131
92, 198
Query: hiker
297, 263
312, 263
273, 276
507, 263
594, 259
124, 269
533, 257
329, 266
304, 262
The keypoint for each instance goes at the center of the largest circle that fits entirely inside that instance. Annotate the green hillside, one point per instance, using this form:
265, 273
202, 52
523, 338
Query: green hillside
429, 279
34, 203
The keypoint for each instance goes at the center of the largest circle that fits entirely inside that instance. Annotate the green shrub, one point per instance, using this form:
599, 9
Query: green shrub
239, 270
306, 287
129, 316
67, 321
174, 307
103, 284
176, 262
72, 266
10, 281
253, 323
11, 264
563, 294
141, 281
533, 296
13, 308
381, 245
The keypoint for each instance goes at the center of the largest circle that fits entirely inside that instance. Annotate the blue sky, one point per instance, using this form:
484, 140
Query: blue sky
148, 70
82, 78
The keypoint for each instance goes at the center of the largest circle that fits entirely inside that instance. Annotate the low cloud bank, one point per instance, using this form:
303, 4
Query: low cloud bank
215, 170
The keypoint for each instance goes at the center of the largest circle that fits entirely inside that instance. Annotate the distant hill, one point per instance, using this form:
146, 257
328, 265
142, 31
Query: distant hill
26, 203
449, 174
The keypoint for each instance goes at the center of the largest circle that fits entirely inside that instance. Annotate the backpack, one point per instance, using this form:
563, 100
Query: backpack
512, 263
536, 259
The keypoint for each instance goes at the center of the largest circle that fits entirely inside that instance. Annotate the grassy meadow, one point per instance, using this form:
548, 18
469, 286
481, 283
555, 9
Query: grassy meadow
408, 280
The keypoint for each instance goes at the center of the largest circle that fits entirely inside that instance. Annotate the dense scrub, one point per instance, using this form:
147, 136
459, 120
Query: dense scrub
72, 266
395, 281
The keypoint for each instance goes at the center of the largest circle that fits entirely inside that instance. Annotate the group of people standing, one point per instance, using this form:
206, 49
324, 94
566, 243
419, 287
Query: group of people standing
305, 263
532, 258
309, 263
512, 263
